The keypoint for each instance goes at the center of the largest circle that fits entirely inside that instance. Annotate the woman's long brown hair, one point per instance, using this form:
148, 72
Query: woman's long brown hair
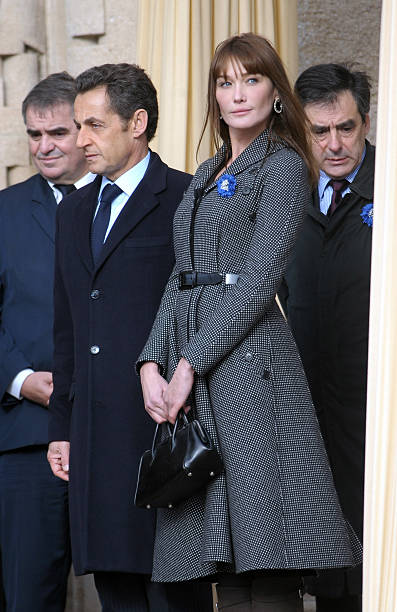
258, 56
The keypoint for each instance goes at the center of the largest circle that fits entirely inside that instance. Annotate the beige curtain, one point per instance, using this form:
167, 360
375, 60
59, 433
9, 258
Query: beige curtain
176, 40
380, 530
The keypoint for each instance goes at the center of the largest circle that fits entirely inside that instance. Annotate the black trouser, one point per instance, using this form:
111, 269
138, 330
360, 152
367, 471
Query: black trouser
267, 591
347, 603
34, 532
119, 592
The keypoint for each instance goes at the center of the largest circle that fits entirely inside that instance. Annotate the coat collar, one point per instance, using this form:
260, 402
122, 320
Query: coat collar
44, 206
141, 203
254, 153
363, 184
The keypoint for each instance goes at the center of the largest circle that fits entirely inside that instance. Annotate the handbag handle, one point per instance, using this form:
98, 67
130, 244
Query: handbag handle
181, 417
156, 435
171, 432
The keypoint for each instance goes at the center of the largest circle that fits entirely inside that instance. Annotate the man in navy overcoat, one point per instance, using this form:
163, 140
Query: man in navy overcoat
327, 290
113, 257
34, 534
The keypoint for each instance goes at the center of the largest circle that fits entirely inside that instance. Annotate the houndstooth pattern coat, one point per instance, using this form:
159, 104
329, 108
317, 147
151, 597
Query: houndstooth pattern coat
275, 506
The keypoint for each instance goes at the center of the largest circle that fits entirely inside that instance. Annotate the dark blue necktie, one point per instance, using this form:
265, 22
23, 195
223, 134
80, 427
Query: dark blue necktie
65, 189
101, 221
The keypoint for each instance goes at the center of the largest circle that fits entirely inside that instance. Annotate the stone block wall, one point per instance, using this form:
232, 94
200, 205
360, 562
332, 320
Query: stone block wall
342, 31
38, 37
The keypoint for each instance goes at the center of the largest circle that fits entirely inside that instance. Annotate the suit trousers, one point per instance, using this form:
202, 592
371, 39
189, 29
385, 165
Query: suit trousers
260, 591
119, 592
347, 603
34, 532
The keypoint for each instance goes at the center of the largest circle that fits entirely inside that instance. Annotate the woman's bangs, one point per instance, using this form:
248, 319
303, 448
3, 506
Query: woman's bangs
244, 57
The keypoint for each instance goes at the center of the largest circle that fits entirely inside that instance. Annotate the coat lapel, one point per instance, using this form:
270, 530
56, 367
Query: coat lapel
141, 203
85, 208
362, 188
256, 152
313, 210
44, 207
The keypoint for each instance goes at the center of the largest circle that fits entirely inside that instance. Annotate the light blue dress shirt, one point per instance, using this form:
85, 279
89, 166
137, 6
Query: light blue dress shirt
325, 189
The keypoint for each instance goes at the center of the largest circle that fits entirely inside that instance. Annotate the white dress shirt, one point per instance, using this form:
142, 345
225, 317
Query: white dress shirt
127, 182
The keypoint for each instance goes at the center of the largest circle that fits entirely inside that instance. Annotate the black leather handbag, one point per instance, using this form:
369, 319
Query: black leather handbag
178, 466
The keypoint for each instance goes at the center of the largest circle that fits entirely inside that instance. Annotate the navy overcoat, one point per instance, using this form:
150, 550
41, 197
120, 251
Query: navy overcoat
326, 293
103, 315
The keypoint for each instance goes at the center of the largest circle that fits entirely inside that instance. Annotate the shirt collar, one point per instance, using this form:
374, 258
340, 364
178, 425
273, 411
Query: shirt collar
130, 180
84, 180
324, 179
87, 178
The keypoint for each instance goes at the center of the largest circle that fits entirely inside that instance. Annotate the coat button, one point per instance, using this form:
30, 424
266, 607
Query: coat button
94, 350
249, 356
94, 294
246, 190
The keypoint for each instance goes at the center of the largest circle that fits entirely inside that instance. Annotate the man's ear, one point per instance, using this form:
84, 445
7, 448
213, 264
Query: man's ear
367, 124
138, 122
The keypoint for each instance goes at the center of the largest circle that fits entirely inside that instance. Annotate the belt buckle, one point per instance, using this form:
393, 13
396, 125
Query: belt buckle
231, 279
187, 280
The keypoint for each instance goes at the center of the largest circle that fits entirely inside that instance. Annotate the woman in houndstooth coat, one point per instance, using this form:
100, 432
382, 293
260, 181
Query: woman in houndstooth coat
275, 507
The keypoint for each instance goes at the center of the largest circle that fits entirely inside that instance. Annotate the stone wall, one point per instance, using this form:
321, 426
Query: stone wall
341, 31
38, 37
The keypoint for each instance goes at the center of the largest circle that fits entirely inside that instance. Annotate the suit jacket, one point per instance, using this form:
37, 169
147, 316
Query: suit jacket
326, 294
275, 506
103, 315
27, 234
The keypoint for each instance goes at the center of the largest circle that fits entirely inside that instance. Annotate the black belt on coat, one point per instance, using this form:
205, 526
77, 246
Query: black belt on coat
191, 278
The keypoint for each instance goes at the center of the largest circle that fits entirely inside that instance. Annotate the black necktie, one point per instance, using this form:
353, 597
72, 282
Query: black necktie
65, 189
338, 187
101, 221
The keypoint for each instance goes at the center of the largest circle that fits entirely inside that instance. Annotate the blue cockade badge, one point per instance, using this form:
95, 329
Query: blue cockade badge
226, 185
367, 214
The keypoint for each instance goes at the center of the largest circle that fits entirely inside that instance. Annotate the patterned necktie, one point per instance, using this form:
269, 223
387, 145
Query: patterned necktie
65, 189
338, 188
101, 221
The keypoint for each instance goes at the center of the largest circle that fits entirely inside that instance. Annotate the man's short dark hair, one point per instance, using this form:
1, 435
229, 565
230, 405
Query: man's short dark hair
128, 88
57, 88
323, 83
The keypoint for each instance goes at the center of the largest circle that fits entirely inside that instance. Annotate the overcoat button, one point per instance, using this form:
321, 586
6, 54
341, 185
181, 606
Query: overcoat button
95, 294
94, 350
246, 190
249, 356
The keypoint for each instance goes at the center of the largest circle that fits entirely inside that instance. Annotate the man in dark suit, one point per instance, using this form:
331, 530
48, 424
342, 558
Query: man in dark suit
113, 257
327, 291
34, 535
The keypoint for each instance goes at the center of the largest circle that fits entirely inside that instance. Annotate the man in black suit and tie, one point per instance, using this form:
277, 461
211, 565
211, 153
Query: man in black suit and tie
113, 258
326, 294
34, 533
